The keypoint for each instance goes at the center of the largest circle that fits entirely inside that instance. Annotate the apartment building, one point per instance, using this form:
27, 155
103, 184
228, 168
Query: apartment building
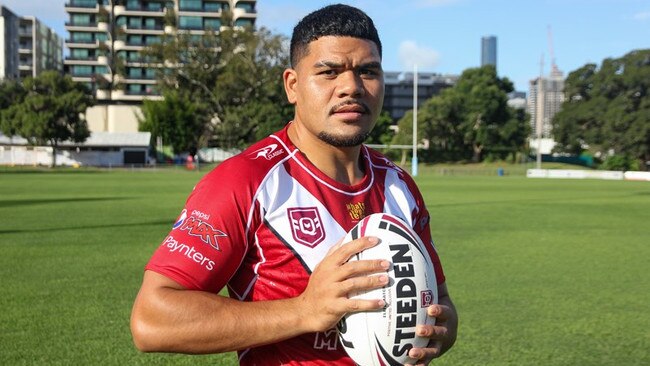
398, 90
27, 46
106, 39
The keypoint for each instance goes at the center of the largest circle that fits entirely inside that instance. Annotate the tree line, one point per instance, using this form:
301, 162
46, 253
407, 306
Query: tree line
225, 90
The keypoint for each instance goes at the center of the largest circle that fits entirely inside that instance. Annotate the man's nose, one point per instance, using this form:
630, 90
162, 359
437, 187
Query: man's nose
350, 84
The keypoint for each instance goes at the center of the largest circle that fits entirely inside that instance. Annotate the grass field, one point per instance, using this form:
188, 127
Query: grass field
543, 272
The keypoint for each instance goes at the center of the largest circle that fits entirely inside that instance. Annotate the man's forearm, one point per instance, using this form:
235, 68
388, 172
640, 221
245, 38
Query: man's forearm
169, 319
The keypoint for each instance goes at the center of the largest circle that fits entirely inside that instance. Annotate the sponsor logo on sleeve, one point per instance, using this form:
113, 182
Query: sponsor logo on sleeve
267, 152
180, 220
196, 225
189, 252
306, 226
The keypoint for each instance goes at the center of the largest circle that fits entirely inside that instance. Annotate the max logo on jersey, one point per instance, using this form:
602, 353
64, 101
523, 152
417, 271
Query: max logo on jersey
306, 226
267, 152
199, 228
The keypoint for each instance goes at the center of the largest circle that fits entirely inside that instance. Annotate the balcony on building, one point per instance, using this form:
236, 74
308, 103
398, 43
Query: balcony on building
84, 6
199, 6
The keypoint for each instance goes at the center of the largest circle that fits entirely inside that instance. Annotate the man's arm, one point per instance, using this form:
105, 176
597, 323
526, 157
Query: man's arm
166, 317
443, 333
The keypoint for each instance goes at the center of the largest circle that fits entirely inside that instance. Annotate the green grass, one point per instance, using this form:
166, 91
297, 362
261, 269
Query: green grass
543, 272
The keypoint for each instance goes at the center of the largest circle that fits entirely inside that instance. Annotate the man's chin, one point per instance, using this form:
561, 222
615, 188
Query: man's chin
343, 141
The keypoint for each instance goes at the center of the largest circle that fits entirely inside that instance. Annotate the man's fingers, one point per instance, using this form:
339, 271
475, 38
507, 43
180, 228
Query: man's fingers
358, 284
424, 355
432, 331
344, 251
438, 311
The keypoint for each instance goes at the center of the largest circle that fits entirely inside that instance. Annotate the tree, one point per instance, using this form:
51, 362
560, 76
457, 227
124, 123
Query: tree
11, 92
176, 119
232, 78
381, 134
52, 111
607, 110
470, 120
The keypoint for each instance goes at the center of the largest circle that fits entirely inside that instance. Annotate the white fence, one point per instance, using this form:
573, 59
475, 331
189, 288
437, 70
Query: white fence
587, 174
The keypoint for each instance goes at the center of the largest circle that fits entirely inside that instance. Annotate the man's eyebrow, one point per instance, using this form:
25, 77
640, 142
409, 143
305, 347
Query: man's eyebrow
330, 64
336, 65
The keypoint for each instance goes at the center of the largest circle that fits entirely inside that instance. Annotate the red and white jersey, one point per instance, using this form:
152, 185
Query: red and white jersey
261, 221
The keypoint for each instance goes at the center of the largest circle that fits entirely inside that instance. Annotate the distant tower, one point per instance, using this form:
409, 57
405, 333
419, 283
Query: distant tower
489, 51
545, 97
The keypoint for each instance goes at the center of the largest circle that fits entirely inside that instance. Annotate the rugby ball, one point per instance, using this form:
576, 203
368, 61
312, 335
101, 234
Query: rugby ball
385, 336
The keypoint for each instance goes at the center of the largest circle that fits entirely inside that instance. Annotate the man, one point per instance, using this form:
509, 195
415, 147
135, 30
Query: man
268, 222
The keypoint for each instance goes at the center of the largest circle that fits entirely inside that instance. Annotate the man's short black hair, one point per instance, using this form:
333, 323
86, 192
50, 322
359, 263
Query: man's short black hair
333, 20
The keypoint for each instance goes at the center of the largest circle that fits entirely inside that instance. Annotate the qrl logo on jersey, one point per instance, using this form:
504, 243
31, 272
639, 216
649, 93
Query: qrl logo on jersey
202, 230
306, 226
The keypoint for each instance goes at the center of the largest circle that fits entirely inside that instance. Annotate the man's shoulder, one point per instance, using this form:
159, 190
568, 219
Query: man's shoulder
253, 163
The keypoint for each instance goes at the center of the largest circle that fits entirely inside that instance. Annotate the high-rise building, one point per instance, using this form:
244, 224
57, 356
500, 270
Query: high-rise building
489, 51
40, 48
107, 38
545, 98
27, 47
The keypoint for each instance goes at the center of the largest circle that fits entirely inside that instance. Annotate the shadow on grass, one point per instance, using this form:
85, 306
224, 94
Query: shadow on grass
47, 201
88, 227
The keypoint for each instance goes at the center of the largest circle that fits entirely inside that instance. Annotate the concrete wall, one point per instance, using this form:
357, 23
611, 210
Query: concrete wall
113, 118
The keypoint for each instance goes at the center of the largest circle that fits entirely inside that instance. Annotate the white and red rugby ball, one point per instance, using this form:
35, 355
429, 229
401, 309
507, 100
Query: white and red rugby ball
385, 336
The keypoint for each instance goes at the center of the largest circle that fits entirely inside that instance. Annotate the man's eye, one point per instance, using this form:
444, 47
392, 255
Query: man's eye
329, 72
368, 72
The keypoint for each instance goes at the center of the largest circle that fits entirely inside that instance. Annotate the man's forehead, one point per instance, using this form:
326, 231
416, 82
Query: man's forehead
343, 47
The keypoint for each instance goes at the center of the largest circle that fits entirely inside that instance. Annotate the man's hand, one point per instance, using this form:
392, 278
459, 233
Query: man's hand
326, 298
442, 334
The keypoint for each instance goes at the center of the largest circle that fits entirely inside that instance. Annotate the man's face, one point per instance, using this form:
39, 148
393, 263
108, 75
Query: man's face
337, 89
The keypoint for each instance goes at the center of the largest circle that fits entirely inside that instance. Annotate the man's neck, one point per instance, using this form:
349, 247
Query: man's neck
343, 164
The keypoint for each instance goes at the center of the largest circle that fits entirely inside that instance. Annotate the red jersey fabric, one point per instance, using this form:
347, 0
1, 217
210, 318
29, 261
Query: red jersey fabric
261, 221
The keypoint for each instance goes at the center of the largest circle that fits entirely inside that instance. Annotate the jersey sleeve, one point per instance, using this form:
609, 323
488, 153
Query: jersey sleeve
208, 241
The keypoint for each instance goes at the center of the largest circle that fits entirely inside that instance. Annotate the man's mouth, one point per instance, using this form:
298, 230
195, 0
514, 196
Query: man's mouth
350, 108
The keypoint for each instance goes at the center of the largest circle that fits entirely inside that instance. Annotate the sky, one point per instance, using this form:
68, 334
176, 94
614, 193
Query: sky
444, 36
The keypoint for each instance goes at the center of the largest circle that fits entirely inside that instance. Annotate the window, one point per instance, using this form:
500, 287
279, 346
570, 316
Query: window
212, 23
101, 70
151, 40
150, 73
84, 3
82, 70
248, 7
134, 89
150, 23
135, 22
191, 22
120, 21
134, 39
135, 72
133, 4
243, 23
212, 7
190, 5
154, 6
79, 53
80, 19
81, 37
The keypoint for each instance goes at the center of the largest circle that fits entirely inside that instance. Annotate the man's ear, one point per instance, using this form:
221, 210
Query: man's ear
290, 83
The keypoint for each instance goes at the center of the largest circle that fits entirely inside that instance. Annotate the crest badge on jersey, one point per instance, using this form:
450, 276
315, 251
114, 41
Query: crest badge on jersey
306, 226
